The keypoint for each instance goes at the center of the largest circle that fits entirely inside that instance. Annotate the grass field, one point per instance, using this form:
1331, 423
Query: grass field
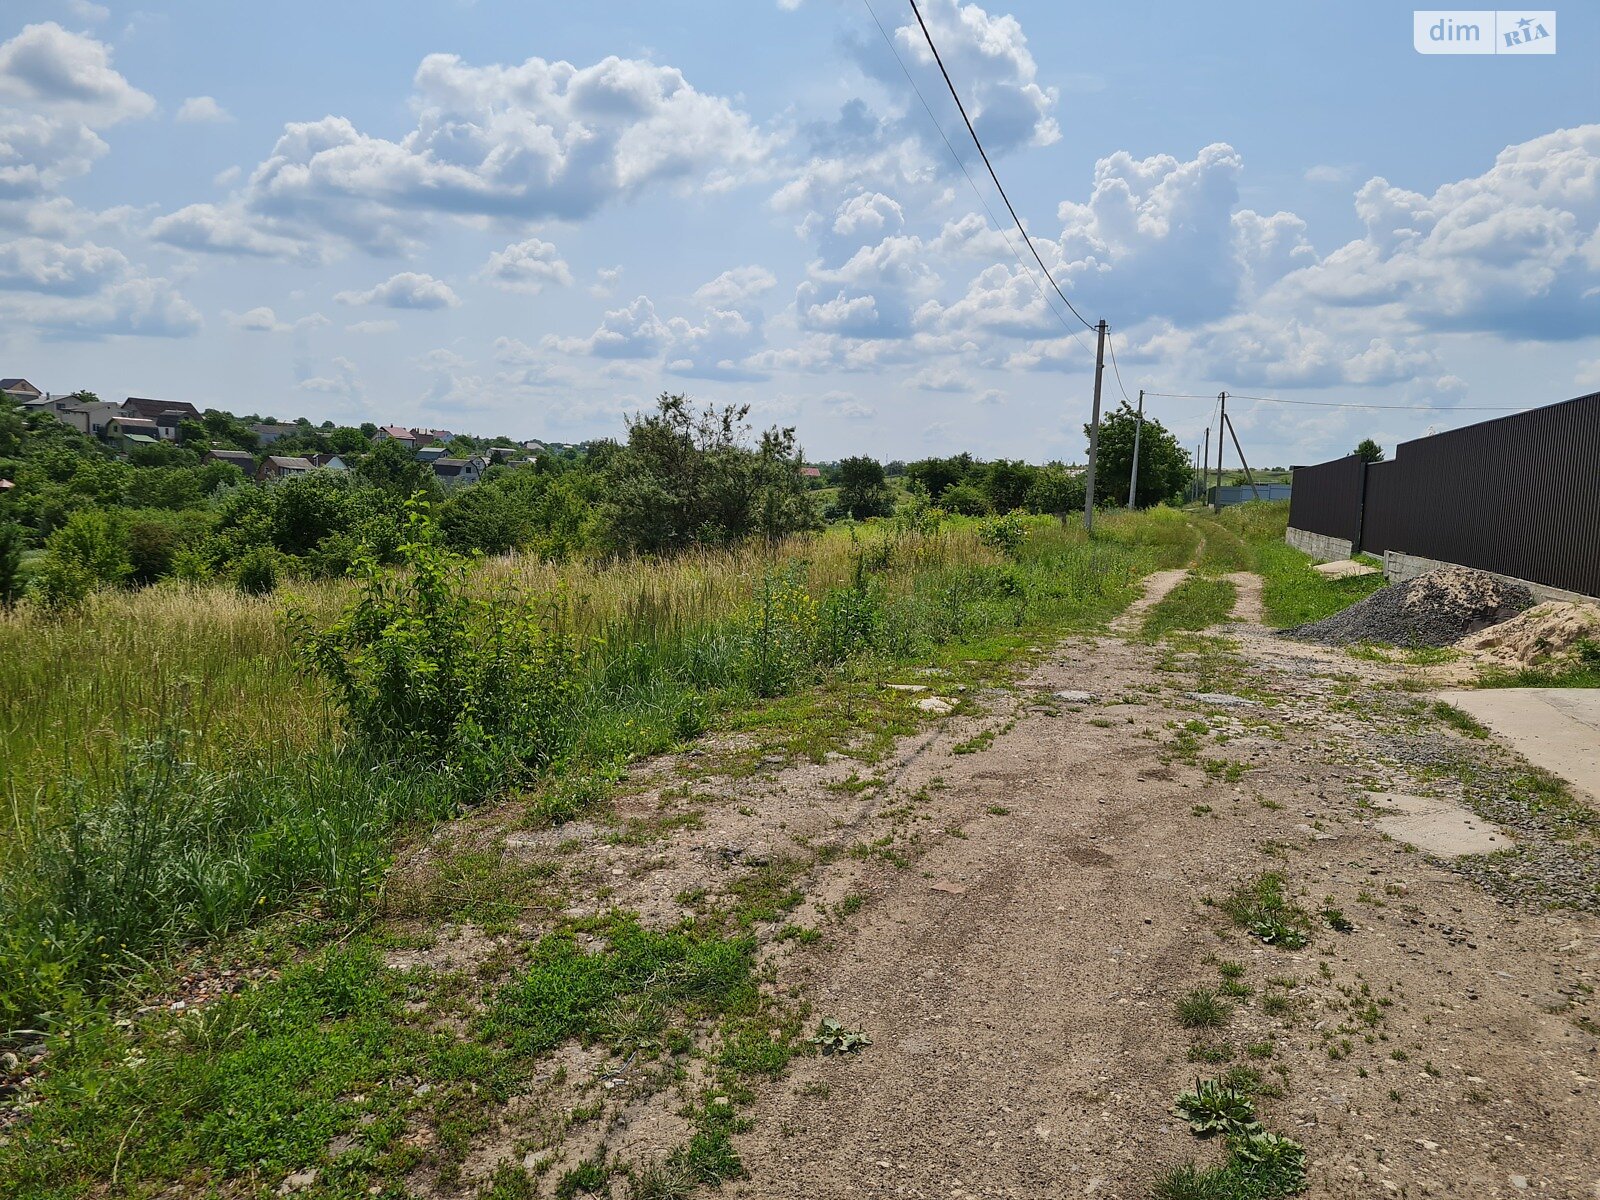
173, 770
199, 798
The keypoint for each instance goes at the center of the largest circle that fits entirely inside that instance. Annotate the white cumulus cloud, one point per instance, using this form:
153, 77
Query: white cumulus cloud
409, 289
526, 267
39, 265
203, 110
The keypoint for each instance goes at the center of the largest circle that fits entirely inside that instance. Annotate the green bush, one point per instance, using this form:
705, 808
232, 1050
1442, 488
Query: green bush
427, 671
966, 500
256, 573
1004, 533
850, 622
10, 563
95, 542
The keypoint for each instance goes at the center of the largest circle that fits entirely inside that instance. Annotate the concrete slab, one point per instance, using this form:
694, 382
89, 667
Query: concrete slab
1439, 827
1344, 569
1554, 728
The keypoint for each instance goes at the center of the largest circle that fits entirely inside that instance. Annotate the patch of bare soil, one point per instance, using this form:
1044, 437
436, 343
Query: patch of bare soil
1247, 599
1025, 1042
1011, 904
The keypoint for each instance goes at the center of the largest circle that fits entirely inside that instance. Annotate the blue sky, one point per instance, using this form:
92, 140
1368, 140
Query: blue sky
531, 218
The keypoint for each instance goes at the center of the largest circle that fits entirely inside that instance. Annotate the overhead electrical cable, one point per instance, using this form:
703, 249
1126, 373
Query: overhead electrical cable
1342, 404
1115, 370
1388, 407
955, 95
994, 222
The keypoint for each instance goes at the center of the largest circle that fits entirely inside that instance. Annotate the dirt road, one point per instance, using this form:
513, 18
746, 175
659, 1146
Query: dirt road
1019, 977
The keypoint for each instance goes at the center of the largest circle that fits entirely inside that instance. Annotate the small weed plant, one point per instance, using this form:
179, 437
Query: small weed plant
1260, 1165
1261, 907
1203, 1008
833, 1038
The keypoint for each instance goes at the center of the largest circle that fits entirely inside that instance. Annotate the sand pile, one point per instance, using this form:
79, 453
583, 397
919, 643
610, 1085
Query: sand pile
1544, 634
1435, 609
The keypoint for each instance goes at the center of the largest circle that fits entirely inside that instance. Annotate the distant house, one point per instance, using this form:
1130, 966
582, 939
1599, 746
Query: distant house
396, 433
452, 471
56, 406
280, 466
810, 473
500, 454
90, 418
267, 434
167, 414
443, 436
129, 431
140, 406
242, 459
535, 447
326, 462
431, 454
6, 485
20, 390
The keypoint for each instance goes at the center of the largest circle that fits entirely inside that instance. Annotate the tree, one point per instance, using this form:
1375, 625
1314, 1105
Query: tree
687, 477
965, 499
346, 440
1164, 465
863, 491
937, 474
89, 551
1057, 492
1369, 451
10, 563
1006, 482
396, 470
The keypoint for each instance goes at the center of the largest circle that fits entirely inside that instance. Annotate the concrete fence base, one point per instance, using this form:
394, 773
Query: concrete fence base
1319, 545
1399, 567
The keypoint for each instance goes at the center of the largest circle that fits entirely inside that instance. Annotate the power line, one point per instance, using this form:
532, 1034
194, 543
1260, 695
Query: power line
1117, 371
985, 156
994, 222
1340, 404
1389, 407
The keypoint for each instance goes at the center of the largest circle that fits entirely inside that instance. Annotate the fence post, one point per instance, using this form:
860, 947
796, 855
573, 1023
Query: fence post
1361, 511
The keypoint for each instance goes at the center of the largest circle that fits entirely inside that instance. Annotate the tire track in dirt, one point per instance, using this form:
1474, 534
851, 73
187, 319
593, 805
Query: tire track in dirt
1024, 1042
1247, 602
1156, 587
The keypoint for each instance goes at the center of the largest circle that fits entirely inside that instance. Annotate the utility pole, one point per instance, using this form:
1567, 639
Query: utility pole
1094, 429
1254, 491
1202, 464
1222, 400
1138, 428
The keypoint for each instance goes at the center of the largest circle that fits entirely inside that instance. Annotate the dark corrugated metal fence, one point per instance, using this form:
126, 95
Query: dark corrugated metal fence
1326, 499
1519, 496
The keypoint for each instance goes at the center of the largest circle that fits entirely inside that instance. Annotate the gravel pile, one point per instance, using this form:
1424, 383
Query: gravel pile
1435, 609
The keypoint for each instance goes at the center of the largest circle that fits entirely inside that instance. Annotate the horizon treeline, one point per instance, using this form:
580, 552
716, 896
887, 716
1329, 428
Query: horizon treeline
81, 517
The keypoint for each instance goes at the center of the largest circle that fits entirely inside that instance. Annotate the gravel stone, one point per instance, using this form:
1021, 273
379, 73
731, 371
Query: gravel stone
1435, 609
